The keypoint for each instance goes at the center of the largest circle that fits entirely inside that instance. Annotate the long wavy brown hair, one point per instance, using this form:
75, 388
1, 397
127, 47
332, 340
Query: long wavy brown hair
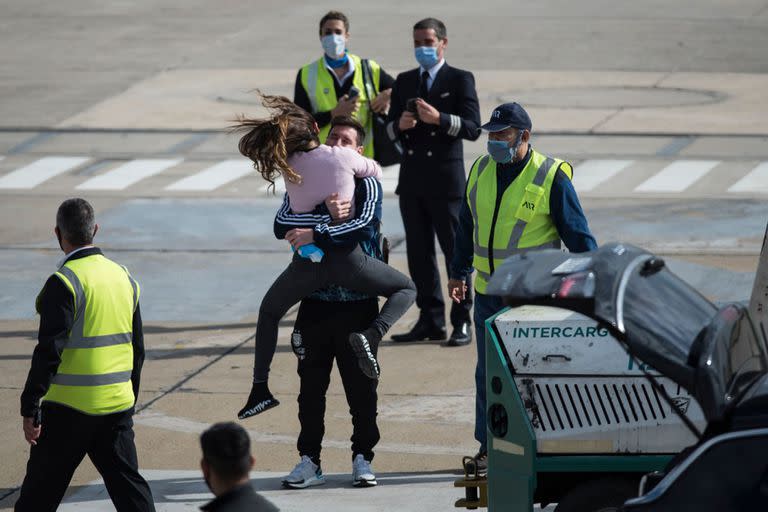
270, 141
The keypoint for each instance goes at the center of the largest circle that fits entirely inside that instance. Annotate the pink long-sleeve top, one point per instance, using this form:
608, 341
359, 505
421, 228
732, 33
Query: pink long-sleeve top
326, 170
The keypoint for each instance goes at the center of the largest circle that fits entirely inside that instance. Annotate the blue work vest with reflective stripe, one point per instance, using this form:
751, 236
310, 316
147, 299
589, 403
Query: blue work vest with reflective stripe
94, 376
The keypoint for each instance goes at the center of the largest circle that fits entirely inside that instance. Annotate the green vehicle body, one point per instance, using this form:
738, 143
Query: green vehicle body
515, 469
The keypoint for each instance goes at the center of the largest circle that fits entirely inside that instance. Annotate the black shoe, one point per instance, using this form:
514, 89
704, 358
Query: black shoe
477, 466
461, 335
481, 462
364, 343
259, 401
423, 330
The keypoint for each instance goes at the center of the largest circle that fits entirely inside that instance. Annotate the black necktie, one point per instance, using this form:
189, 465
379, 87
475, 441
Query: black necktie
423, 89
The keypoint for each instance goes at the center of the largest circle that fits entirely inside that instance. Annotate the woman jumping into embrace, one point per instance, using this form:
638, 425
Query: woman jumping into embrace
287, 144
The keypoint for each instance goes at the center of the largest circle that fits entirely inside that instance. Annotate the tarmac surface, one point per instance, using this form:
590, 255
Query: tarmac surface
661, 108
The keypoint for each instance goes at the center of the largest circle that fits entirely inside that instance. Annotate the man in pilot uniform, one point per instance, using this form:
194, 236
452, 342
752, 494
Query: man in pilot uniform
433, 108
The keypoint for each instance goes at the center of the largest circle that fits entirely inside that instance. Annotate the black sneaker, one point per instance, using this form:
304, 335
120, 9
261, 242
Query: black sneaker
363, 344
259, 401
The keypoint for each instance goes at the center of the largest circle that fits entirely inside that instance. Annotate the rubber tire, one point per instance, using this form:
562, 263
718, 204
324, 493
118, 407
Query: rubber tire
603, 495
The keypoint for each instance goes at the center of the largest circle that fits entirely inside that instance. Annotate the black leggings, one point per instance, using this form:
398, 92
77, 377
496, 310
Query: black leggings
351, 269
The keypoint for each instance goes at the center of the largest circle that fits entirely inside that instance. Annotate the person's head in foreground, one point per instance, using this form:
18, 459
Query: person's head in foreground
227, 458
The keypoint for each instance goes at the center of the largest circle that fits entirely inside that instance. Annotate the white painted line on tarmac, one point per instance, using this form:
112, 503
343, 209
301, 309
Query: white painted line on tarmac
215, 176
591, 173
388, 187
389, 178
129, 173
189, 426
389, 184
185, 490
755, 181
677, 176
40, 170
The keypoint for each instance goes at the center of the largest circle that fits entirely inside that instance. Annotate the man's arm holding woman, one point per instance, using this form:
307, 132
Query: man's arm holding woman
317, 227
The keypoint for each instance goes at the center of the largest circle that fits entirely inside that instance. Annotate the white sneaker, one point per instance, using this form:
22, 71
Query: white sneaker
362, 474
305, 474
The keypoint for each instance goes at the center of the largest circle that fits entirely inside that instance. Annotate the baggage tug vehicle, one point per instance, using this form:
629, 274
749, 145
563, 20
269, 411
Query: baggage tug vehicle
590, 400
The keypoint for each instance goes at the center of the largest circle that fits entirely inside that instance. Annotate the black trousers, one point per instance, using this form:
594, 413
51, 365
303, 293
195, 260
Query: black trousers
423, 218
321, 334
66, 437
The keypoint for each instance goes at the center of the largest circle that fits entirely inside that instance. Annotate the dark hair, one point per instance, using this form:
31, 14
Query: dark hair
76, 221
227, 449
334, 15
352, 123
270, 141
435, 24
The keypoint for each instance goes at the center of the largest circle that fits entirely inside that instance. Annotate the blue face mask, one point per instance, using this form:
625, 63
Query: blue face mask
426, 56
334, 46
500, 150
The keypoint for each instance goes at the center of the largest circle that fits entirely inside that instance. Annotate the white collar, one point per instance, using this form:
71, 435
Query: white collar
434, 69
346, 75
63, 260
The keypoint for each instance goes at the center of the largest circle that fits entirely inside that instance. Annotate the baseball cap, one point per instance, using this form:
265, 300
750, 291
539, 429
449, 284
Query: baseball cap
508, 115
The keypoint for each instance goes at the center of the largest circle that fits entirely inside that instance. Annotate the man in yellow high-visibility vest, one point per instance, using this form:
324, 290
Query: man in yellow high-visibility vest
334, 85
517, 200
84, 378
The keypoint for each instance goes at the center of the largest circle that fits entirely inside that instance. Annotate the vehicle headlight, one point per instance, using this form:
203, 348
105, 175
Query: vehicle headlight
497, 420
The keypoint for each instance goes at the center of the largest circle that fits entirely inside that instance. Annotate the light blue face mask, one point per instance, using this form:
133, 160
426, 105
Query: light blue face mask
500, 150
426, 56
334, 46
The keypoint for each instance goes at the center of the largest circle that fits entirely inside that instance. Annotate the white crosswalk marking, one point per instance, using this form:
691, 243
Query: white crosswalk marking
129, 173
215, 176
677, 176
388, 186
591, 177
591, 173
389, 178
755, 181
40, 170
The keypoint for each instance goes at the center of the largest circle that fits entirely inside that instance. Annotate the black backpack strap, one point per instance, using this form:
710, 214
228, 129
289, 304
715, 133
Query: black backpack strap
368, 81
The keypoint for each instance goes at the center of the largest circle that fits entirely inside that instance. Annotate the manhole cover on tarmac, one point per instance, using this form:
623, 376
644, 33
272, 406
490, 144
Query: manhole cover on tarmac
612, 97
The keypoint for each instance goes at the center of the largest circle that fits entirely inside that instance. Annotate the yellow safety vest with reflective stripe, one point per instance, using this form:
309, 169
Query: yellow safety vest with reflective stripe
319, 85
522, 223
94, 376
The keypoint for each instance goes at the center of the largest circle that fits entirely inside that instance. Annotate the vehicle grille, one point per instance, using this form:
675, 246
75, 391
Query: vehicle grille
563, 405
